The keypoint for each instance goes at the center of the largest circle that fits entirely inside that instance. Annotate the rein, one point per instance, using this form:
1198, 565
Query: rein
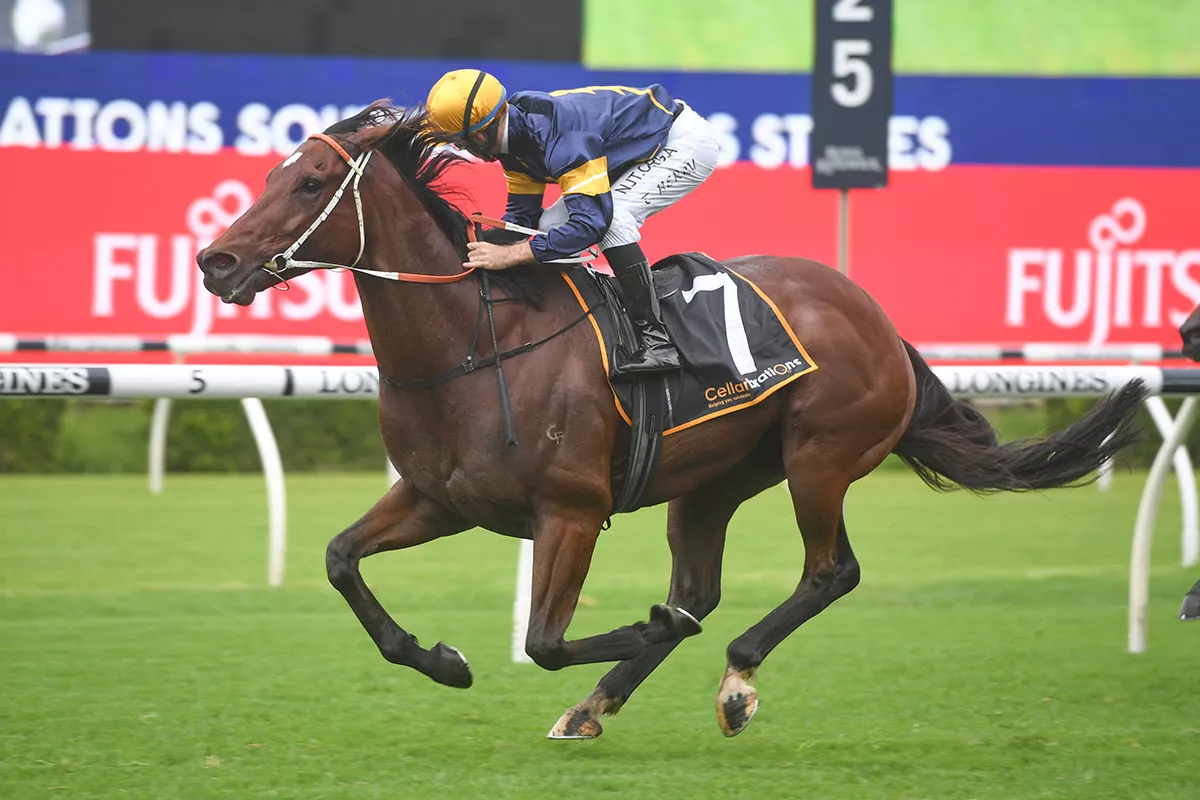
280, 262
469, 364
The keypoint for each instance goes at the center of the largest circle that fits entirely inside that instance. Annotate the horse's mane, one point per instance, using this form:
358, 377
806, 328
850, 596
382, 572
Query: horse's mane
422, 160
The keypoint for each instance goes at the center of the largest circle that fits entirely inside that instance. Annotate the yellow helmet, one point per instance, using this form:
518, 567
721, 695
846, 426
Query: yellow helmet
464, 101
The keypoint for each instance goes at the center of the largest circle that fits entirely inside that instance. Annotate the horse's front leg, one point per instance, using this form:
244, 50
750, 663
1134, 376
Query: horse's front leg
563, 544
402, 518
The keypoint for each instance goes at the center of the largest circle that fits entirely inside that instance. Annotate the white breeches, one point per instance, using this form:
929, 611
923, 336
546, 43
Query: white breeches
687, 157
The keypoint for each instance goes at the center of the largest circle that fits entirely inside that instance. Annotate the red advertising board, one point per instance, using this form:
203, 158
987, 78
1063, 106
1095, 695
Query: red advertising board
1022, 254
100, 242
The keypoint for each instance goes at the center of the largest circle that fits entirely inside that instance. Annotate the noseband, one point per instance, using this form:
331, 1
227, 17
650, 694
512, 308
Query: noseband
280, 262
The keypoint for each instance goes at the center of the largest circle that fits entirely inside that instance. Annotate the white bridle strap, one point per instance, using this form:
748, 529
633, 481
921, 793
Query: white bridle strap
284, 260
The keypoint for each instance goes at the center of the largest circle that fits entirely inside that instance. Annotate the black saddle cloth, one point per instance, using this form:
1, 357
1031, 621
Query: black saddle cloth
736, 348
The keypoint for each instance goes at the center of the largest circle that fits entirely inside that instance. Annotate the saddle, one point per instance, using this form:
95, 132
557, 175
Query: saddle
736, 349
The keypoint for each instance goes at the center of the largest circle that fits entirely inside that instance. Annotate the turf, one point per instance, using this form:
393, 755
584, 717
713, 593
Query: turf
982, 657
1023, 37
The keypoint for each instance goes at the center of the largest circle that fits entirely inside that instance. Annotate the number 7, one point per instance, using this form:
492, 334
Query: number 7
735, 329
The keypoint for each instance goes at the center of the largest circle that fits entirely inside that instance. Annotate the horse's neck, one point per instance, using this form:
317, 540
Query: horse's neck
417, 330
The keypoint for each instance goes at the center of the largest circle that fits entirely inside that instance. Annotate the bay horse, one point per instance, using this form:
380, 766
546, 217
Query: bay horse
873, 395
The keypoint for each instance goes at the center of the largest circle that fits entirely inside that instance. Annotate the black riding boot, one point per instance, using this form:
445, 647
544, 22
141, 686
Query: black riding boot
655, 353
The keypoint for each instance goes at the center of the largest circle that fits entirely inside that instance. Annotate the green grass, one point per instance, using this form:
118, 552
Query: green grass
1027, 37
982, 657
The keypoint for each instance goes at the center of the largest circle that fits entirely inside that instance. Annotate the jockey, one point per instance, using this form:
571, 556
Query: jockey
618, 154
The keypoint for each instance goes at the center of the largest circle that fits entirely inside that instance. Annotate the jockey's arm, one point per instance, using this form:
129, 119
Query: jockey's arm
524, 205
588, 219
582, 229
577, 162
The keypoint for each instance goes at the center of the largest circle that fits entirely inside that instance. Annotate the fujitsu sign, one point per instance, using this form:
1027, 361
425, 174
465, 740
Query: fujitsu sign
158, 274
1098, 289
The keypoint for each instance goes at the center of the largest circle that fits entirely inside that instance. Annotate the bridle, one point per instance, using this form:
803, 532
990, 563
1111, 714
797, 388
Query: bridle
281, 262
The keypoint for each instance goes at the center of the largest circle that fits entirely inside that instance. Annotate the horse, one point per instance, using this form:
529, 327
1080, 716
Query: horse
873, 395
1189, 334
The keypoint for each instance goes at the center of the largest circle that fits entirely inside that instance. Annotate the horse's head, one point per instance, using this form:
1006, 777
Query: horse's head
1189, 332
303, 193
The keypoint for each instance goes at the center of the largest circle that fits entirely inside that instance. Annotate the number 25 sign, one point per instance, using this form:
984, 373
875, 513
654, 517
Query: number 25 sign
851, 93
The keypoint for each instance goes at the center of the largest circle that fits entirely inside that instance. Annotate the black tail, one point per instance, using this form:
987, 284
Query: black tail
951, 445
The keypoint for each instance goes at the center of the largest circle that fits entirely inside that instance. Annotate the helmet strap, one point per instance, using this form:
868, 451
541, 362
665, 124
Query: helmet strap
466, 126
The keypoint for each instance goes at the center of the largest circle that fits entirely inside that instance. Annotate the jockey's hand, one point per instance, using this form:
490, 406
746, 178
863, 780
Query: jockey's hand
485, 255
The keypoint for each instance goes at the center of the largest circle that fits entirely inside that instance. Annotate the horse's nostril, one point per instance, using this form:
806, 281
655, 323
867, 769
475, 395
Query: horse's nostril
216, 262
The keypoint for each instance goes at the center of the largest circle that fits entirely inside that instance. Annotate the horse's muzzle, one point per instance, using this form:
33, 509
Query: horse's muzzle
225, 277
217, 264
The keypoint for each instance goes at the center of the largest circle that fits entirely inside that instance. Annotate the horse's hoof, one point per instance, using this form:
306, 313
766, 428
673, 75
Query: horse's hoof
1191, 607
677, 620
736, 701
450, 668
577, 723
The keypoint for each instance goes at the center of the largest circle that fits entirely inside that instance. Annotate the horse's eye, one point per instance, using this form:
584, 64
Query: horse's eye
310, 186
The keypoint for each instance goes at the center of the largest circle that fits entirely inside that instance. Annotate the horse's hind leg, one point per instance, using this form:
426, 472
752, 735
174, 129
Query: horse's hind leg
402, 518
696, 525
830, 571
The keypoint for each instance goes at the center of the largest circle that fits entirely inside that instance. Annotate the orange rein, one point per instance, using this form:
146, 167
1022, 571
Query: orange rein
406, 277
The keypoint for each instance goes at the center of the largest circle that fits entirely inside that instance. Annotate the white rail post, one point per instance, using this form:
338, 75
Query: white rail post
1104, 476
268, 452
1190, 531
158, 444
1143, 531
157, 468
522, 602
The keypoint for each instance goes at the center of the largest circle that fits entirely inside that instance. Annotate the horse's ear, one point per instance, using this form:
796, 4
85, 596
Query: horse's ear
371, 138
382, 112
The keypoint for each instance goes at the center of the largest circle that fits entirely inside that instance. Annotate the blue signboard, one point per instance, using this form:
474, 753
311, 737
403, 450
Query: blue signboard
263, 104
